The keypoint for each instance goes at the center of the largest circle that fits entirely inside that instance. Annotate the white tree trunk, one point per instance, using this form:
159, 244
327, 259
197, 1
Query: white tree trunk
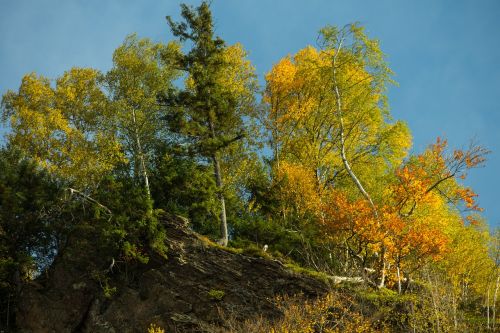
434, 302
218, 182
399, 278
345, 160
495, 303
141, 157
488, 307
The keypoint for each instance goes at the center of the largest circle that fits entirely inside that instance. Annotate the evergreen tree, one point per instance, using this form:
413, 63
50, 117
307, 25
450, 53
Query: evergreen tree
218, 94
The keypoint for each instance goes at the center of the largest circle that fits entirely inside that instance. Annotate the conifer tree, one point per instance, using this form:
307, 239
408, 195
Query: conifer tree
218, 94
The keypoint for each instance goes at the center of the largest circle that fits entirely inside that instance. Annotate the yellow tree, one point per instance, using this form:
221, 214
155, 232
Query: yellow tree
66, 128
303, 114
467, 264
141, 72
328, 114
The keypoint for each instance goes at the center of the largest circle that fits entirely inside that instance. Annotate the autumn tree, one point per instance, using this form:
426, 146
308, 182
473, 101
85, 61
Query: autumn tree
218, 95
339, 156
306, 124
328, 117
67, 129
141, 72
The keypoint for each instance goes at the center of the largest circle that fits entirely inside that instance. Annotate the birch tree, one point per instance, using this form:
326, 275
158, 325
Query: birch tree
140, 73
67, 129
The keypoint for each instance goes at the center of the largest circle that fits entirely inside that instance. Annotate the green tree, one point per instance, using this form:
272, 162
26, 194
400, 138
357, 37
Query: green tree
218, 95
29, 203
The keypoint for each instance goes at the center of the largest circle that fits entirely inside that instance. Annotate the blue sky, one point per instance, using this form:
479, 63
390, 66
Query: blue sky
446, 54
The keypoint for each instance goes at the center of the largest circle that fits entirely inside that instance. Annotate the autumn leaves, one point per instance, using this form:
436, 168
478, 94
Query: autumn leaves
338, 156
338, 162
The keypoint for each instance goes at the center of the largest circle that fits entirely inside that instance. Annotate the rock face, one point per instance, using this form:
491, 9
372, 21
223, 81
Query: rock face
183, 293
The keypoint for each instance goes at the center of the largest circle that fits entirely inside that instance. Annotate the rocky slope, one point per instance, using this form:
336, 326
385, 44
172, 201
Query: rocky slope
183, 293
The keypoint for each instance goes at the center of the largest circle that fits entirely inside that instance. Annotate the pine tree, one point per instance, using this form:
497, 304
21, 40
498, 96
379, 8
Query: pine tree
218, 94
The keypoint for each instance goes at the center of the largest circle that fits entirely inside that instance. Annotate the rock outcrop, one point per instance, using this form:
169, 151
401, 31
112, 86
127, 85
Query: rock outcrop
183, 293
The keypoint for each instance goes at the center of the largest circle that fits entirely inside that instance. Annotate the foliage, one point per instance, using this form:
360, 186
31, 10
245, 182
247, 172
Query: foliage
141, 72
93, 160
182, 186
216, 294
65, 129
29, 227
155, 329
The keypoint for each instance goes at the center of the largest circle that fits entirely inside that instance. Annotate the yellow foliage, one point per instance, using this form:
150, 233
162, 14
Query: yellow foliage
304, 126
329, 314
62, 128
298, 187
155, 329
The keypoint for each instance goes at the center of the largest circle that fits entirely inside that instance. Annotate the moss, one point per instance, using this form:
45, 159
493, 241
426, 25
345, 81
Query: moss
309, 272
232, 250
215, 294
255, 251
384, 296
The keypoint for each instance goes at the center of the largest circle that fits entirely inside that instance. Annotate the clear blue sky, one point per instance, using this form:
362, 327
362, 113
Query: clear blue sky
446, 54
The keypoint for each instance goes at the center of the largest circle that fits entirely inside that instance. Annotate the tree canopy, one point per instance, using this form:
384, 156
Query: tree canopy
318, 173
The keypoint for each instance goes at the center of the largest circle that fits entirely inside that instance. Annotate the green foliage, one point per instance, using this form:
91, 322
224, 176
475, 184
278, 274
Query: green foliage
29, 224
137, 226
183, 187
215, 294
213, 111
214, 101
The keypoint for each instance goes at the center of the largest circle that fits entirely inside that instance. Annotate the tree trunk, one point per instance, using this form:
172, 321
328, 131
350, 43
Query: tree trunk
434, 302
218, 182
495, 304
454, 303
342, 136
141, 157
488, 308
399, 278
346, 164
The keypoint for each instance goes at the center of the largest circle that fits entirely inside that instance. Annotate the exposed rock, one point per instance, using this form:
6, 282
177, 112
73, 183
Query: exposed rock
174, 293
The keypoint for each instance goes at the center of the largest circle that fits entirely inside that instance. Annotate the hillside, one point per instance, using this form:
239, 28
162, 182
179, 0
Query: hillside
174, 190
179, 293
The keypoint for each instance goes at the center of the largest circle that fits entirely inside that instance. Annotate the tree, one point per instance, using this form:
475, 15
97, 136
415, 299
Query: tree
66, 129
328, 116
218, 95
338, 156
29, 203
141, 72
